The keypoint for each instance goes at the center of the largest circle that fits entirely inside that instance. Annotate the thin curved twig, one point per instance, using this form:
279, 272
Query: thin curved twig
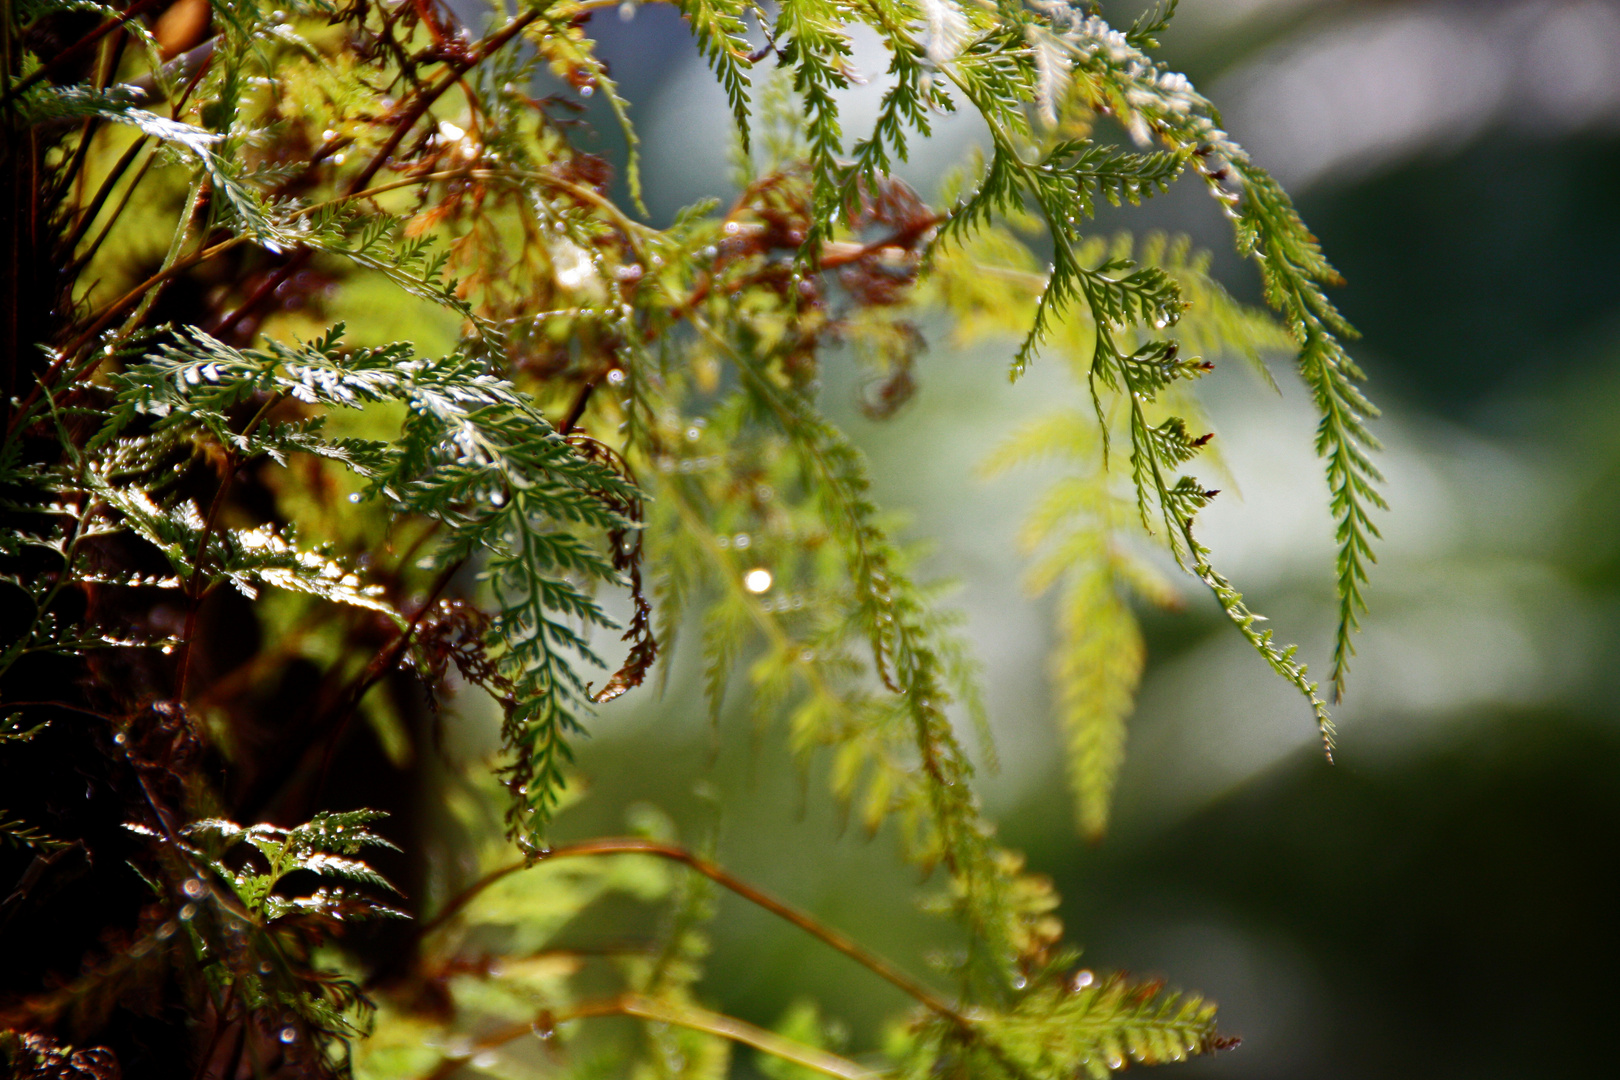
687, 1016
630, 845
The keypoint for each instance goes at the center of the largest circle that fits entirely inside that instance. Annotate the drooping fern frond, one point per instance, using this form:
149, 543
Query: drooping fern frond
1079, 529
722, 39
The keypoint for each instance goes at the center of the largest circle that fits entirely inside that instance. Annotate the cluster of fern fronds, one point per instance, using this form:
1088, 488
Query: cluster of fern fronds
238, 538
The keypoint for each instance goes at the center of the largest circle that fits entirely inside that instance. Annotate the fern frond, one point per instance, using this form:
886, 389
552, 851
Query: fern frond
1095, 1027
722, 39
18, 832
474, 453
1096, 668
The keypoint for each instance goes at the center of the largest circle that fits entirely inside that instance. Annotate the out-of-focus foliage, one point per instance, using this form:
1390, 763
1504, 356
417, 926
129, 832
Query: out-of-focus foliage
230, 531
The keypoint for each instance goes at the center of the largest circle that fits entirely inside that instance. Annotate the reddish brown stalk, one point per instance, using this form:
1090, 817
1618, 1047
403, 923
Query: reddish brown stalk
628, 845
688, 1016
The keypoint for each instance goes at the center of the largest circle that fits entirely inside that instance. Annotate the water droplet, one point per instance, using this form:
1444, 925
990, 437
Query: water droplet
693, 434
742, 540
120, 738
288, 1034
355, 497
264, 967
486, 1060
724, 542
542, 1026
757, 580
1081, 980
166, 931
188, 912
1019, 982
194, 888
627, 11
616, 376
587, 90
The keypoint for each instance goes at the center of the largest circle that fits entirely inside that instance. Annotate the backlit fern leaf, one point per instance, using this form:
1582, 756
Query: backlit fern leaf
474, 453
1099, 655
1098, 1027
1096, 667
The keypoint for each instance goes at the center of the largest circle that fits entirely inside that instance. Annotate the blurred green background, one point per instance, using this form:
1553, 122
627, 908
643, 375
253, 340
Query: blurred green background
1432, 905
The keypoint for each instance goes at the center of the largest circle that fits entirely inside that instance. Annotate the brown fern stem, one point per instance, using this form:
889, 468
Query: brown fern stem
629, 845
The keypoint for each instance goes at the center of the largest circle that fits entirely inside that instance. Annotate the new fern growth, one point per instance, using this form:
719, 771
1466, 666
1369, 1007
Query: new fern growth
237, 516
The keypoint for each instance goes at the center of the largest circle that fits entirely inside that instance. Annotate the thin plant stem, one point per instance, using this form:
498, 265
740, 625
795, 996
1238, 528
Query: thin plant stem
690, 1017
629, 845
